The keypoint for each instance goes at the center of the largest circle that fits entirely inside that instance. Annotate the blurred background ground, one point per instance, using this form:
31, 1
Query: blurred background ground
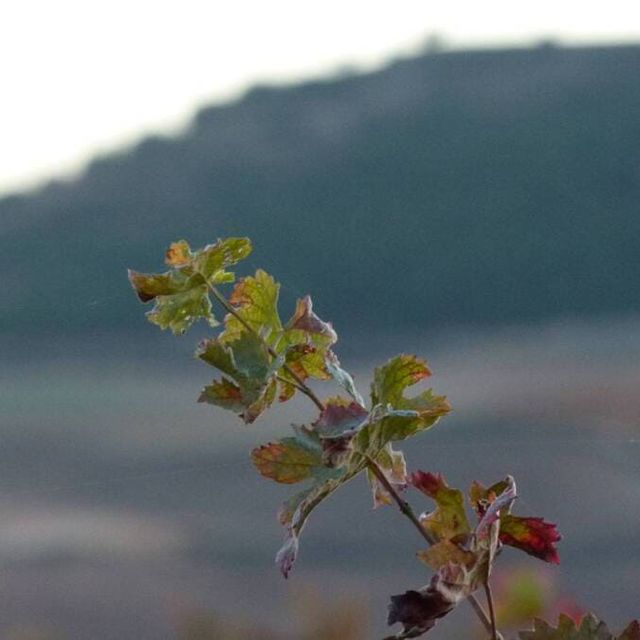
478, 208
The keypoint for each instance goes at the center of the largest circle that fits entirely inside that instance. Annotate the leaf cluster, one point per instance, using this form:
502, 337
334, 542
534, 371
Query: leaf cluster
258, 356
260, 359
463, 556
345, 440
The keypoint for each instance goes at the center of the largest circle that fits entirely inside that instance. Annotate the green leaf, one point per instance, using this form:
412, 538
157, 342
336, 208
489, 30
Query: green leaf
227, 395
306, 361
303, 457
180, 310
224, 393
247, 362
589, 628
391, 380
180, 299
181, 295
245, 341
394, 416
388, 425
212, 261
302, 348
149, 286
218, 355
287, 391
342, 377
394, 378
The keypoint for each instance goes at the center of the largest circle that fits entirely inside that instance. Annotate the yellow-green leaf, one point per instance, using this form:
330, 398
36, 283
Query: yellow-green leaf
448, 520
391, 380
212, 261
255, 299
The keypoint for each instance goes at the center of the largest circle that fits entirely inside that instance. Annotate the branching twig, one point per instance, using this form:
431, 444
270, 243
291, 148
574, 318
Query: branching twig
293, 384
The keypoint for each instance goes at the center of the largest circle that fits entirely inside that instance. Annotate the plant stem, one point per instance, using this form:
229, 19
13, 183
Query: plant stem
487, 590
300, 382
293, 384
406, 510
404, 506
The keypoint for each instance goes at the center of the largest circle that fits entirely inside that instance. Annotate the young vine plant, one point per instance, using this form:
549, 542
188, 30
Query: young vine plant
261, 360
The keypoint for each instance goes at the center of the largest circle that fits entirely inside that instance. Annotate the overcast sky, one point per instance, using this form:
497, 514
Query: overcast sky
81, 77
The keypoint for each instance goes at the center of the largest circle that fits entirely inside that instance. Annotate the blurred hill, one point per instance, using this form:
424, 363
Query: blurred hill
470, 187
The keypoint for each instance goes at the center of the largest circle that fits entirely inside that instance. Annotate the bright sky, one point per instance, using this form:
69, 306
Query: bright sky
81, 77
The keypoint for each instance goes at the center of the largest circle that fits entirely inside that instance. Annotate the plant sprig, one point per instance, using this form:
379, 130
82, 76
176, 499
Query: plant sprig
260, 360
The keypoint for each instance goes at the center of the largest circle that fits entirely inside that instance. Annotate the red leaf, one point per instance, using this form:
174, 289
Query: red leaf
534, 536
429, 483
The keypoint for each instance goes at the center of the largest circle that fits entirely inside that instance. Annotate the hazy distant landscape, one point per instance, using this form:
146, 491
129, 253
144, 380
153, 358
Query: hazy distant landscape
479, 209
472, 187
126, 505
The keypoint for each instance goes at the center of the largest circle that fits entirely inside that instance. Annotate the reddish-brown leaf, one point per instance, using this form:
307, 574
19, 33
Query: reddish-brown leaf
339, 417
287, 461
418, 611
304, 319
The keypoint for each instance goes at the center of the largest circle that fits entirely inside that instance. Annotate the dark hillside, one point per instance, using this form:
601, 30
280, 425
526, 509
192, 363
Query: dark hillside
476, 187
